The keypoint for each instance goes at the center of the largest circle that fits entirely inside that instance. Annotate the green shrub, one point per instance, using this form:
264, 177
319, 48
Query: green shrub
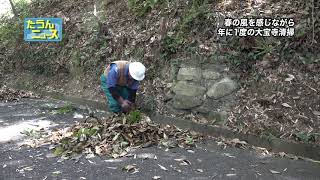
134, 117
11, 29
305, 137
63, 110
262, 48
244, 56
171, 44
141, 7
195, 18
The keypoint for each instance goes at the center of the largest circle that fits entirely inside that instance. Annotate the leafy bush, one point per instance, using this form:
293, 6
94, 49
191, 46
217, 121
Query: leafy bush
171, 44
195, 19
141, 7
63, 110
196, 16
245, 52
305, 137
134, 117
262, 48
11, 29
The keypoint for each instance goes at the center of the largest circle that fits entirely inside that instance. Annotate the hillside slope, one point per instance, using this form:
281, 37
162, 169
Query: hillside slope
163, 34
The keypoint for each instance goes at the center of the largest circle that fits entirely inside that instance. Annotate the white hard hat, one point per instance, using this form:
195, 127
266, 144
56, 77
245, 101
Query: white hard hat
137, 70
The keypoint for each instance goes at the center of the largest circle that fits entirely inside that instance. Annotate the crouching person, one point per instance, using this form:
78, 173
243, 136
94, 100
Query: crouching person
120, 82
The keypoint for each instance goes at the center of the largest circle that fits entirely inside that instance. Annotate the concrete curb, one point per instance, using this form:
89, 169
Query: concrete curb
275, 144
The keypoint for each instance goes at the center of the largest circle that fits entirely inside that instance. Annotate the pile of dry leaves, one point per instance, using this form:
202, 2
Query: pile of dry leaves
116, 137
7, 94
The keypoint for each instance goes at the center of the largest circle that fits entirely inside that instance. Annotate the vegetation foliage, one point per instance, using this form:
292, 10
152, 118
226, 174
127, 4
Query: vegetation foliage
11, 29
196, 18
141, 7
134, 117
64, 109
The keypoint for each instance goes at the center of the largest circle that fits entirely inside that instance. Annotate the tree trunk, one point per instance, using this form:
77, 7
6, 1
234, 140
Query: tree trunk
14, 11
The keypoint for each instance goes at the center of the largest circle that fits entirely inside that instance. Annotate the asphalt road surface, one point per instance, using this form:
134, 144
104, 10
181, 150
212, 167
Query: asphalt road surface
206, 161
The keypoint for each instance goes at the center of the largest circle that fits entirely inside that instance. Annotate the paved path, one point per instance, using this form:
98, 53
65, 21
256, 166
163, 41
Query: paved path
208, 161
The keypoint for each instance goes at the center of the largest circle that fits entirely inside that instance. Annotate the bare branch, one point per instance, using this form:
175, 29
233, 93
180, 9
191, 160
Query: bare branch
313, 23
14, 11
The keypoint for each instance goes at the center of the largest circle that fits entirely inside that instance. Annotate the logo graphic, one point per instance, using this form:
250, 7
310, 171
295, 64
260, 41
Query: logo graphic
43, 29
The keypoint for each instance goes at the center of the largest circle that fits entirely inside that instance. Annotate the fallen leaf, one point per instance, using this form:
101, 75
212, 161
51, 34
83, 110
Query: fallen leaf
180, 159
162, 167
56, 172
285, 169
290, 78
89, 156
229, 155
200, 170
156, 177
146, 156
77, 116
28, 168
286, 105
103, 149
229, 175
50, 155
115, 155
115, 137
130, 168
317, 113
183, 162
135, 171
123, 154
282, 154
274, 172
174, 168
165, 136
91, 162
236, 141
113, 160
190, 151
296, 97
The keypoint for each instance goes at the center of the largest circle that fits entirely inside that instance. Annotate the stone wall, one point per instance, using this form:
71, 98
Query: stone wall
205, 89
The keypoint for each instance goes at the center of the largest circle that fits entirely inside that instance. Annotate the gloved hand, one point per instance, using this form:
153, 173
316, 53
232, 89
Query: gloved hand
126, 106
132, 106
